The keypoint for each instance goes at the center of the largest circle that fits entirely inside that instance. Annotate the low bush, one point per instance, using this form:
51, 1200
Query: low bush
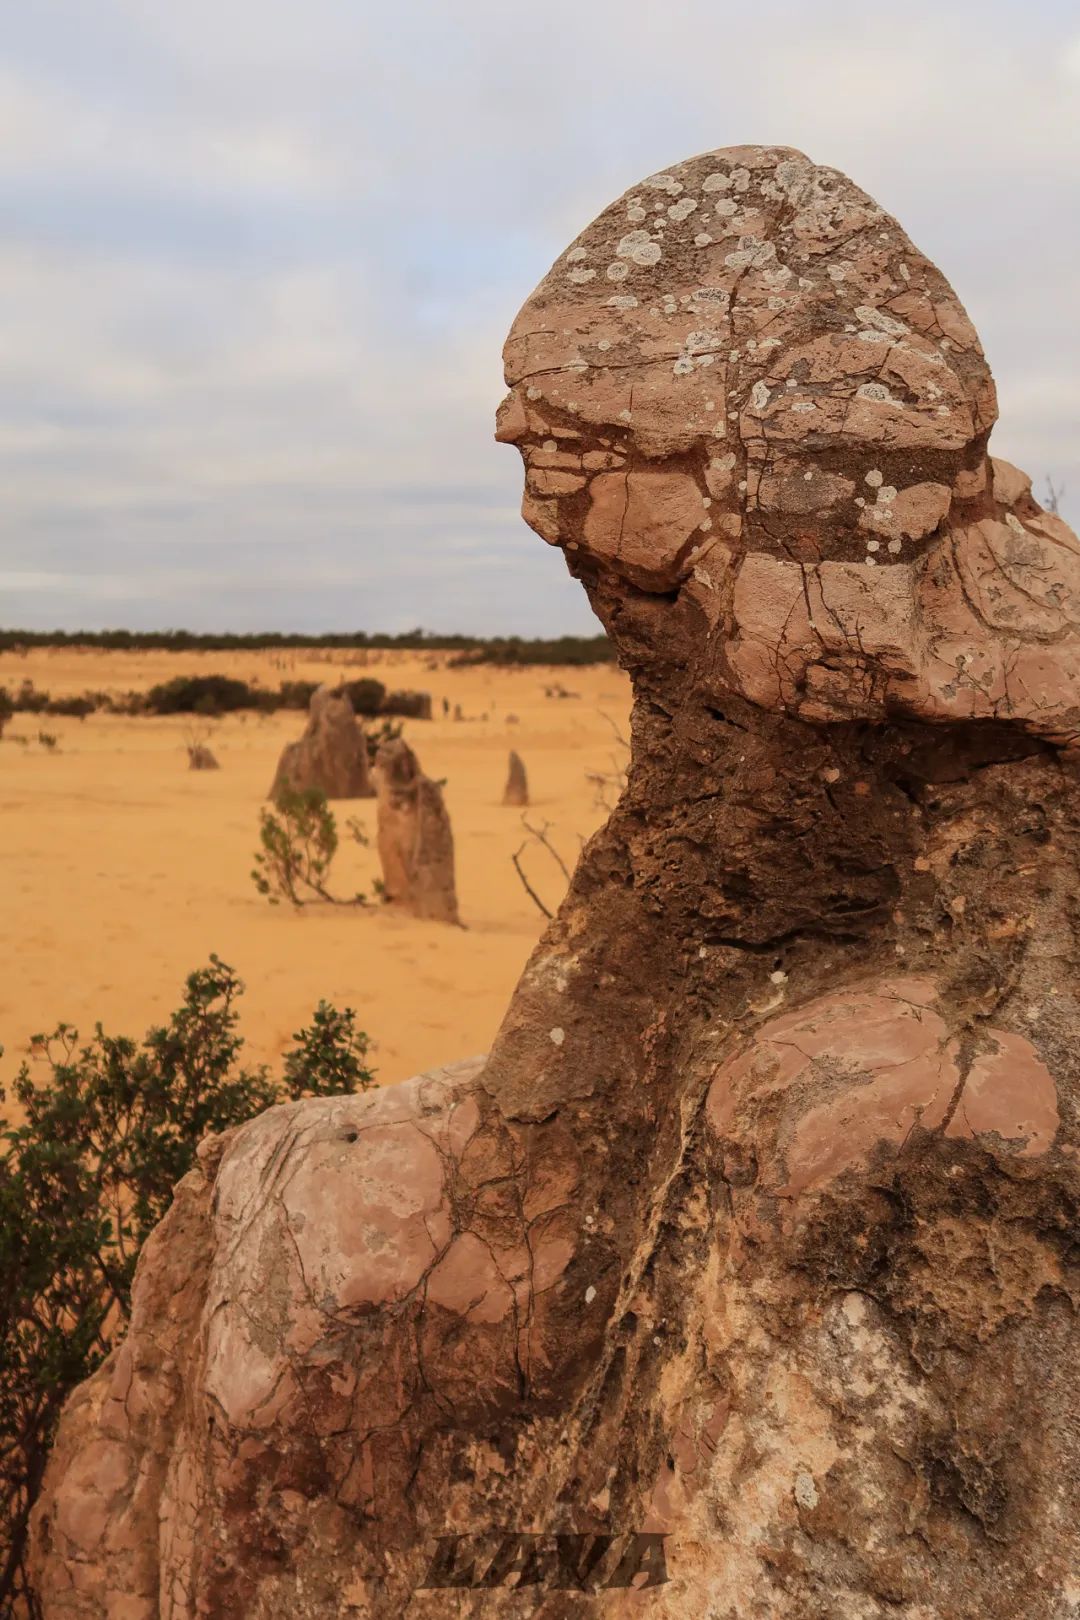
29, 700
77, 707
203, 694
410, 705
296, 694
366, 695
298, 840
107, 1130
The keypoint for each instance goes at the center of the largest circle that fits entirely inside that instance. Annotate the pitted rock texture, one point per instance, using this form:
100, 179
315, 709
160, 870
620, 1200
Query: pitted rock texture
744, 382
416, 841
759, 1225
331, 757
516, 791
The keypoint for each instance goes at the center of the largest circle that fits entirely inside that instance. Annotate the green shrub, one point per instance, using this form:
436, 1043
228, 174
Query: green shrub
77, 707
365, 695
108, 1129
202, 694
298, 840
330, 1057
28, 700
123, 702
411, 705
296, 694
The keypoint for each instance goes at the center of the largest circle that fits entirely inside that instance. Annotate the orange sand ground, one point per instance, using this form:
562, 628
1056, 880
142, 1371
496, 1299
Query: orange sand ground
121, 870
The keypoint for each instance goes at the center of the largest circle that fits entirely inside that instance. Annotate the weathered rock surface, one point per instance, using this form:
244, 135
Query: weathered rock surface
330, 757
516, 791
758, 1226
416, 843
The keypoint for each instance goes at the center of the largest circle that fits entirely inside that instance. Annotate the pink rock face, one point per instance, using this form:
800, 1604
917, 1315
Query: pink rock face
772, 365
516, 791
416, 843
874, 1065
756, 1230
331, 756
1008, 1093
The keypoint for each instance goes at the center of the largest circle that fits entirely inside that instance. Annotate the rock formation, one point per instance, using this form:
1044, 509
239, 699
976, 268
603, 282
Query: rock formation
416, 844
331, 756
758, 1227
201, 758
516, 791
200, 755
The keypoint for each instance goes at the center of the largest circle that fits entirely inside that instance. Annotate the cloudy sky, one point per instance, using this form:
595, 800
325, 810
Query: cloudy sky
257, 259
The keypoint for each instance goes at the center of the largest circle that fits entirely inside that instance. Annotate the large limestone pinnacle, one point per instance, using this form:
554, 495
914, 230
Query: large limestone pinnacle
758, 1226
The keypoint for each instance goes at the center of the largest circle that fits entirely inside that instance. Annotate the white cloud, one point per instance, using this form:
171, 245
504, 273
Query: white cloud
259, 260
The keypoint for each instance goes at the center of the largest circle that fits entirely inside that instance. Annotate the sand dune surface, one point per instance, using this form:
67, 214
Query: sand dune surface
121, 870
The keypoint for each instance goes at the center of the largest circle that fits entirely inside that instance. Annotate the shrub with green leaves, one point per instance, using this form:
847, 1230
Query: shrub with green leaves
296, 694
77, 707
107, 1129
298, 840
410, 705
202, 694
28, 700
365, 694
330, 1056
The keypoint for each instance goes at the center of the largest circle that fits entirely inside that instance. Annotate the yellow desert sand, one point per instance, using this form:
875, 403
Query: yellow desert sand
122, 869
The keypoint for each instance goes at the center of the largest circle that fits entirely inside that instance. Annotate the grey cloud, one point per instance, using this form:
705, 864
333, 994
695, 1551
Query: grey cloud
258, 260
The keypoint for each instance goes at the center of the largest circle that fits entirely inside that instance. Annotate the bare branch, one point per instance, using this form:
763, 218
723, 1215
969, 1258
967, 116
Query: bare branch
541, 836
526, 885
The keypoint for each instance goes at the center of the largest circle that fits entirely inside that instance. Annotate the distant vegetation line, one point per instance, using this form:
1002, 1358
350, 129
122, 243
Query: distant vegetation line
470, 649
210, 696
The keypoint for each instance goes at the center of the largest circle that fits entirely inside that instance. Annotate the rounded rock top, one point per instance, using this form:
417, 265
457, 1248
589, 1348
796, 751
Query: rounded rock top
743, 389
748, 294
